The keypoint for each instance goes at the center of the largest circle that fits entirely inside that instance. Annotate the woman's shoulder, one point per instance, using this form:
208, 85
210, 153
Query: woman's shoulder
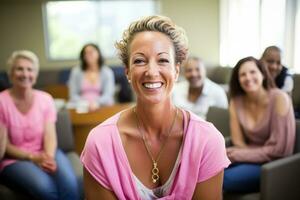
282, 101
43, 95
4, 97
203, 138
203, 129
104, 132
279, 96
106, 70
4, 93
276, 91
76, 70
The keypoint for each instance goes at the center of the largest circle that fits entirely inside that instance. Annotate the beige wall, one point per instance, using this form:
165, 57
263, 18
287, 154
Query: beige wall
22, 28
200, 19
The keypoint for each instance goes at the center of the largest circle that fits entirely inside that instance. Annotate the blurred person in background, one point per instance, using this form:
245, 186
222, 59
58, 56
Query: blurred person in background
92, 81
262, 125
197, 93
32, 161
271, 58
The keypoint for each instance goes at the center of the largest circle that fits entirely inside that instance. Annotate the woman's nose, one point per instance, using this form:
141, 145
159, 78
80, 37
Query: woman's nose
152, 69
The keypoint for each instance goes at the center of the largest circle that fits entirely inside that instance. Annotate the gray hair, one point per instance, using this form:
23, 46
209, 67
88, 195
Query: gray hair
156, 23
29, 55
196, 59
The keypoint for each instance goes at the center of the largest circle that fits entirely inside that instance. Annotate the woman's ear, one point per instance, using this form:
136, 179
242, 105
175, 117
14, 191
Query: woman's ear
177, 71
127, 74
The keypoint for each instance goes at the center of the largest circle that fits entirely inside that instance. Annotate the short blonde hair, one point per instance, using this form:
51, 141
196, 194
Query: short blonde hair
29, 55
157, 23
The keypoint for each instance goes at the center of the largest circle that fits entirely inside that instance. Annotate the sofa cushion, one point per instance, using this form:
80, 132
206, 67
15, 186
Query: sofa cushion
64, 131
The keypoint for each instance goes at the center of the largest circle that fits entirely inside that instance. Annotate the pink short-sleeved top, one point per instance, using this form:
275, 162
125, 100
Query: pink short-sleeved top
26, 131
203, 156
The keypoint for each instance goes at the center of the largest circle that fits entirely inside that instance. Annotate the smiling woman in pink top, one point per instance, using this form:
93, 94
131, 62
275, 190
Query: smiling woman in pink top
262, 125
154, 150
32, 161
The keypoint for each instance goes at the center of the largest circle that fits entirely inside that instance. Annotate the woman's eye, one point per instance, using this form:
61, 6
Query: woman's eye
138, 61
242, 75
163, 60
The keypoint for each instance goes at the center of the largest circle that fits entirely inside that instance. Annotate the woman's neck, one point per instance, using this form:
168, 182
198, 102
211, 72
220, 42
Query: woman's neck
92, 68
156, 119
21, 94
258, 97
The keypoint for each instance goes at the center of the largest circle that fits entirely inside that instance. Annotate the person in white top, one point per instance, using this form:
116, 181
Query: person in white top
197, 93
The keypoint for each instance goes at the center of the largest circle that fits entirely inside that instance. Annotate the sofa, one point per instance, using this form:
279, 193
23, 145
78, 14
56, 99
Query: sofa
66, 143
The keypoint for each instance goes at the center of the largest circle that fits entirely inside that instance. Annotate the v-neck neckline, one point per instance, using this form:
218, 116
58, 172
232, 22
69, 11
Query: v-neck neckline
265, 115
16, 108
126, 161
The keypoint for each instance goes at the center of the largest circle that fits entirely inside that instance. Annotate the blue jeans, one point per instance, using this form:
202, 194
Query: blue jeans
41, 185
242, 177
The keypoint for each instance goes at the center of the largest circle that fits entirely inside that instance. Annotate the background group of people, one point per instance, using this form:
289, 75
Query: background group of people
158, 148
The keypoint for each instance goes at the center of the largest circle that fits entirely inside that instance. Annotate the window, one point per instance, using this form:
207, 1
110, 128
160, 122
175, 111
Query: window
249, 26
71, 24
297, 41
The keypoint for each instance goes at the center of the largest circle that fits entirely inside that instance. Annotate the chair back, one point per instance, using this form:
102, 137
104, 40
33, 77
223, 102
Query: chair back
65, 138
296, 92
297, 139
220, 119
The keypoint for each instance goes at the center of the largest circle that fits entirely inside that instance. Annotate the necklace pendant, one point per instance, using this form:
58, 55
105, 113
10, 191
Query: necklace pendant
155, 171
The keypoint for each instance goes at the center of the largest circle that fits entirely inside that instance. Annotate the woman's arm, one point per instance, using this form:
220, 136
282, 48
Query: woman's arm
237, 137
107, 86
210, 189
74, 84
3, 139
17, 153
93, 190
50, 140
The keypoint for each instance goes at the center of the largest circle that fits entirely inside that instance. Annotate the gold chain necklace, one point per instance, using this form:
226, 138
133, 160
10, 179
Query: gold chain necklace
155, 170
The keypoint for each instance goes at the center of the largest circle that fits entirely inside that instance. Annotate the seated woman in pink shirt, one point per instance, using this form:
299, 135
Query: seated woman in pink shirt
262, 125
154, 150
32, 161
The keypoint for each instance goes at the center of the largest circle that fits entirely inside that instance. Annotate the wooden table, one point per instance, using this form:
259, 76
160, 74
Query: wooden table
84, 122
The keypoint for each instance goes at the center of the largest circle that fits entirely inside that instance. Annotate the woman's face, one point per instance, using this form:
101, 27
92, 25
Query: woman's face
273, 61
152, 69
250, 77
91, 55
23, 74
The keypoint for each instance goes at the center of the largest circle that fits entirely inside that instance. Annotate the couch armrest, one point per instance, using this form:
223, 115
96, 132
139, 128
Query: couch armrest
78, 169
228, 141
280, 179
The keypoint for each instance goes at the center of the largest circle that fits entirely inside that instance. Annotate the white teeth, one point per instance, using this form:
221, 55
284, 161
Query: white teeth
152, 85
